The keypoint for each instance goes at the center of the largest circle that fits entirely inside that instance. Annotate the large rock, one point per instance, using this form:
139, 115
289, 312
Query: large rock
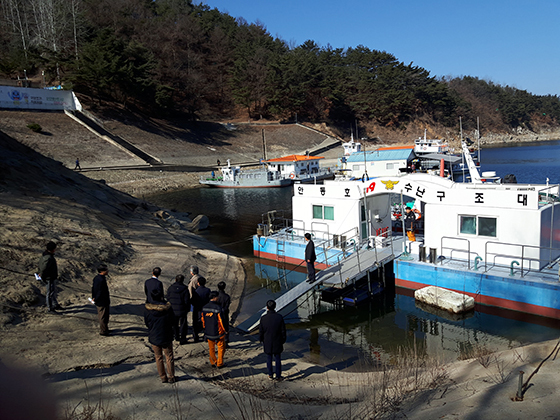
445, 299
200, 222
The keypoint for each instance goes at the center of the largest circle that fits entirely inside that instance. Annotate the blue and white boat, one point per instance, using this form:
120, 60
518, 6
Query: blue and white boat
497, 242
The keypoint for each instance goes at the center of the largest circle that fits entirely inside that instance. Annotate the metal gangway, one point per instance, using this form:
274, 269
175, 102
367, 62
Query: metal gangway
348, 267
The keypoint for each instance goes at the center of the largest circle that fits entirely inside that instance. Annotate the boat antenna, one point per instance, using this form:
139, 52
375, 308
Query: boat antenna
264, 145
478, 140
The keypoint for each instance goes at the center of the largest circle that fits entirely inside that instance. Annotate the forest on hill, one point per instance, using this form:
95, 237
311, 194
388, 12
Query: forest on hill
167, 57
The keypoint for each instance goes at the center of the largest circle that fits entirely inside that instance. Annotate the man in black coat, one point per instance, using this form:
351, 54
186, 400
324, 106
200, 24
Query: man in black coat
152, 284
179, 297
48, 270
101, 299
310, 258
272, 333
201, 297
158, 317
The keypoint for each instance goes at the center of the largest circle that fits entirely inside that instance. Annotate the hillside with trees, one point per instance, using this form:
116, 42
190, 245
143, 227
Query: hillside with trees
170, 57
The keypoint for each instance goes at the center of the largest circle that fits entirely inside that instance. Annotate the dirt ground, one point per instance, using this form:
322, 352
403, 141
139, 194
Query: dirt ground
43, 199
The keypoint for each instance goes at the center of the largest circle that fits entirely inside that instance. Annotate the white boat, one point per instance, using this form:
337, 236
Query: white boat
496, 242
302, 168
235, 177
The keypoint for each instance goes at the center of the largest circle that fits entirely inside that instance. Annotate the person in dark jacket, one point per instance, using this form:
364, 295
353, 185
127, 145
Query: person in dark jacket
272, 333
214, 331
158, 317
48, 270
201, 297
179, 297
152, 284
310, 258
224, 300
101, 299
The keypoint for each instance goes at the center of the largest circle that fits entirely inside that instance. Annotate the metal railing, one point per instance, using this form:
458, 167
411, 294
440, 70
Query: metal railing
525, 265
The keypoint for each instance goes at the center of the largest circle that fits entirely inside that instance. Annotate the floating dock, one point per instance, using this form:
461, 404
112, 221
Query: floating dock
354, 266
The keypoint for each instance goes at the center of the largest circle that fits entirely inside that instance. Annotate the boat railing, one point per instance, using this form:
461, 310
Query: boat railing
522, 257
457, 250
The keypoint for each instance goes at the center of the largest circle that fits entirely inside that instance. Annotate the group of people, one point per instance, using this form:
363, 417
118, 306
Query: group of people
165, 315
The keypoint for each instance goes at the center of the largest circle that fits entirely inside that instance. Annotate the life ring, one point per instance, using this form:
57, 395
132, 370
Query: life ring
292, 175
424, 148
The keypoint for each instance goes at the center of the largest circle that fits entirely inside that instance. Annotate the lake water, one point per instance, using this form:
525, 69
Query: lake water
349, 337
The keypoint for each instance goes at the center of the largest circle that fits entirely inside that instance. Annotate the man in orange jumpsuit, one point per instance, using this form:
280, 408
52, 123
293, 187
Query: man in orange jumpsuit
214, 331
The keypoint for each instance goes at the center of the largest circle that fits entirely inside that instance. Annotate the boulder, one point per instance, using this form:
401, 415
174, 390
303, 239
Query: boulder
445, 299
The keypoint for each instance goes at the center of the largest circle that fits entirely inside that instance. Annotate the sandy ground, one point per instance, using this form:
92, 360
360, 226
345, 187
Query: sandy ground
116, 376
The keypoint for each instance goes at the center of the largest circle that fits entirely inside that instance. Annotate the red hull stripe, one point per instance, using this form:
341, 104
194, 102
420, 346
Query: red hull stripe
289, 260
492, 301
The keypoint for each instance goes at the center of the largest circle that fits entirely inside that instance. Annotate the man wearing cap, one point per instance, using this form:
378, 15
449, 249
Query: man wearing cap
101, 299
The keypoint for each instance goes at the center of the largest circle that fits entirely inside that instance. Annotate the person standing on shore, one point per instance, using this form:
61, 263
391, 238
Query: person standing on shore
152, 284
272, 333
158, 317
201, 297
310, 258
224, 300
193, 282
48, 270
101, 299
78, 167
214, 331
178, 296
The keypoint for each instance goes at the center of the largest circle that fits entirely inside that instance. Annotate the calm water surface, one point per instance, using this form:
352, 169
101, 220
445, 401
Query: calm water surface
349, 337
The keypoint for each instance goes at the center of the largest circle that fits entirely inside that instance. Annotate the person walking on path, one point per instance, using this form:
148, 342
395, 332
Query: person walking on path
201, 297
48, 270
272, 333
310, 258
77, 167
193, 282
152, 284
180, 299
224, 300
158, 317
214, 331
101, 299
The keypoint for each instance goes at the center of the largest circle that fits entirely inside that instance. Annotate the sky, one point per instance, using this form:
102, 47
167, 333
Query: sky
508, 42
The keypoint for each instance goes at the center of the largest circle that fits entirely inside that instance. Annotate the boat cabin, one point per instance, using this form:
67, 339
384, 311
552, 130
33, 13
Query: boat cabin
351, 147
500, 223
381, 162
295, 165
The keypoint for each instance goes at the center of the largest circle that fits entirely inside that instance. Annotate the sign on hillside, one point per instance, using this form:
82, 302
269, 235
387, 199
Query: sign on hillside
30, 98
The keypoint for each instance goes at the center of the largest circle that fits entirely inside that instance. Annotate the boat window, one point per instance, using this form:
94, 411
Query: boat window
481, 226
468, 225
355, 167
326, 212
317, 212
390, 165
487, 226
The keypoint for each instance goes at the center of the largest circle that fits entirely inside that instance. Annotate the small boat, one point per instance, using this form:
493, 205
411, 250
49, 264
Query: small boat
234, 177
302, 168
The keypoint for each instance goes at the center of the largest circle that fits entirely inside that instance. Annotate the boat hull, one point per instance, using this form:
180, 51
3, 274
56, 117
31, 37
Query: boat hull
531, 294
227, 184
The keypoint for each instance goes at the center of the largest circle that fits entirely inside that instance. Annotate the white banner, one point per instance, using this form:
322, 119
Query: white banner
29, 98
